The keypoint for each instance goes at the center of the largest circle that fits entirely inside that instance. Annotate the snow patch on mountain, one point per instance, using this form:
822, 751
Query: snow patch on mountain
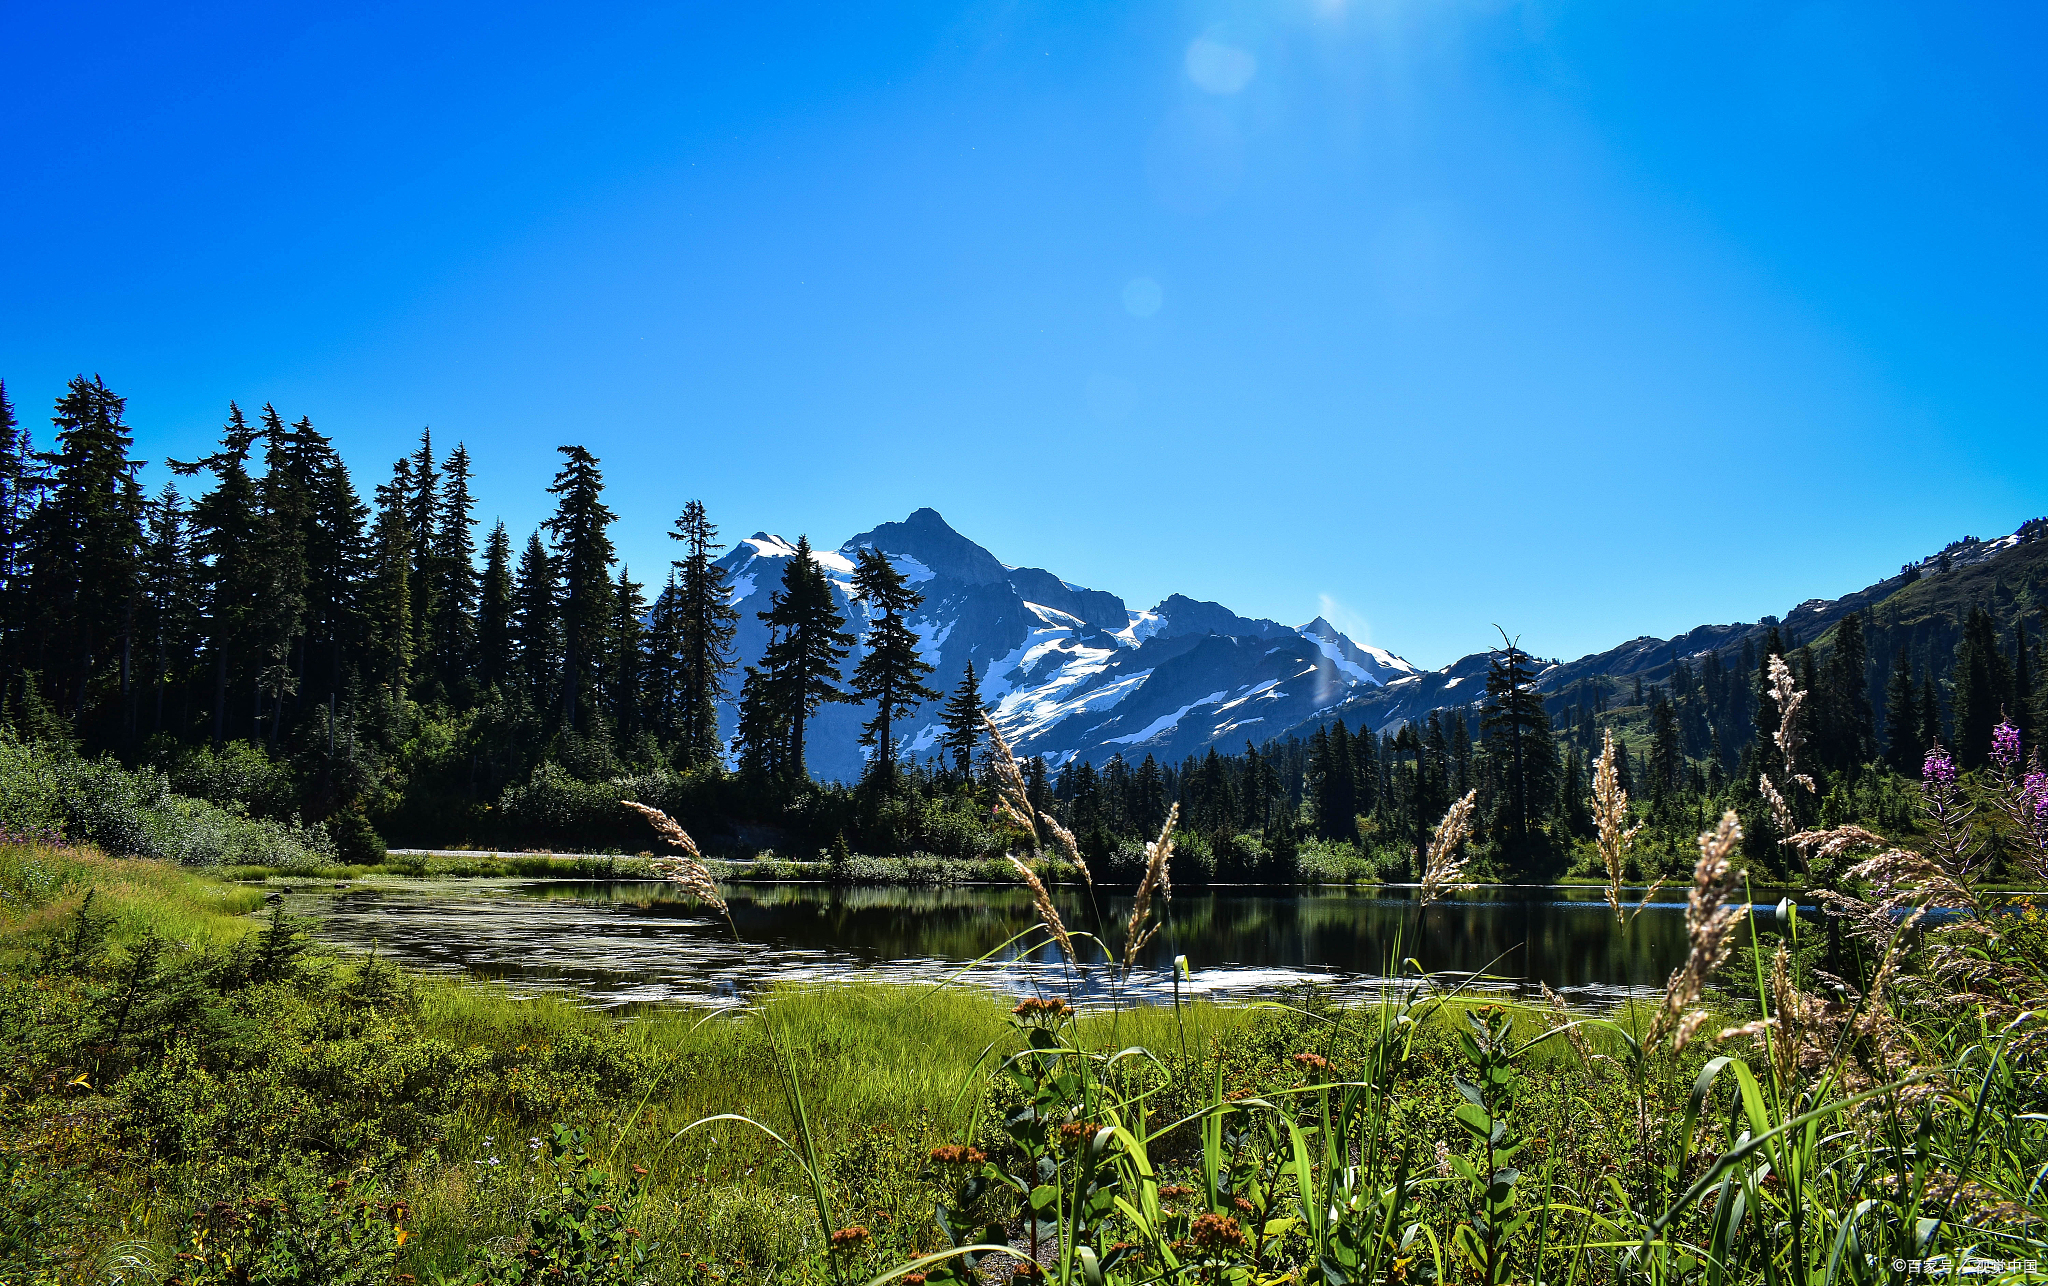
1165, 721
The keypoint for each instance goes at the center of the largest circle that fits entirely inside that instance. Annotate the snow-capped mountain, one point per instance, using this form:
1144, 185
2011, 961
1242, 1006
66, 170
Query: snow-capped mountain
1071, 672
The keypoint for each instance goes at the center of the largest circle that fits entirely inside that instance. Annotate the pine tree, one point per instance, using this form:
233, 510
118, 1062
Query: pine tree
1930, 715
807, 643
19, 476
2022, 706
891, 671
278, 622
457, 594
2040, 703
1148, 796
422, 503
1667, 758
583, 555
388, 598
624, 670
1336, 784
1521, 758
1903, 751
168, 628
1461, 755
534, 624
227, 530
495, 606
84, 545
1843, 731
665, 666
708, 622
1981, 688
1433, 793
962, 720
761, 743
1572, 795
336, 554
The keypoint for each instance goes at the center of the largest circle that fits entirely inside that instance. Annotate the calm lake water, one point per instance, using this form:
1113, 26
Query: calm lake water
628, 942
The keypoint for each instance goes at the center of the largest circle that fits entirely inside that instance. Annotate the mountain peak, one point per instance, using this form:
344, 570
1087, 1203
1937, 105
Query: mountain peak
1178, 614
927, 537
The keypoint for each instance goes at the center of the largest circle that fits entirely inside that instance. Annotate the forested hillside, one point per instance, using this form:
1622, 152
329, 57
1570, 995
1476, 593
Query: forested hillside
262, 636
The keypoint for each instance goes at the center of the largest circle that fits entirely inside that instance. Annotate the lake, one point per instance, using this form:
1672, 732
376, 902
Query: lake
636, 941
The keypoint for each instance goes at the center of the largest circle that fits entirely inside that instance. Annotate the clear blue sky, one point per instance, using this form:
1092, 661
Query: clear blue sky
1590, 319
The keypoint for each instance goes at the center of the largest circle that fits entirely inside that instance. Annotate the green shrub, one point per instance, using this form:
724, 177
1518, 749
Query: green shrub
240, 776
135, 812
581, 1233
301, 1230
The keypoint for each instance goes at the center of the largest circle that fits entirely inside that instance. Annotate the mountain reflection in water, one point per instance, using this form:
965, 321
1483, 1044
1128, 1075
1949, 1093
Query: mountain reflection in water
637, 941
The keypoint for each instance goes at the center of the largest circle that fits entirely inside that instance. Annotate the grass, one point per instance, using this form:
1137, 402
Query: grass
42, 886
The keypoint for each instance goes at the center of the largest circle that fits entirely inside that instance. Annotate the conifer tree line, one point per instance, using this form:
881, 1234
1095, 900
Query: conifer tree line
258, 599
451, 681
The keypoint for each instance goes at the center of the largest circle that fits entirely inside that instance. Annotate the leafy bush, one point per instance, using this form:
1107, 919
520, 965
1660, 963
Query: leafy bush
307, 1231
581, 1233
135, 812
240, 776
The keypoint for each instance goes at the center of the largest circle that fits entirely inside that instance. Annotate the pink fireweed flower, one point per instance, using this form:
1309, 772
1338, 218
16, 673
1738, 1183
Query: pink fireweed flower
2035, 791
2005, 744
1939, 769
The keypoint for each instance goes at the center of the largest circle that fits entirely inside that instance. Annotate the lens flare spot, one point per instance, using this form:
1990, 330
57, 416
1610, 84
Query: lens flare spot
1219, 68
1142, 297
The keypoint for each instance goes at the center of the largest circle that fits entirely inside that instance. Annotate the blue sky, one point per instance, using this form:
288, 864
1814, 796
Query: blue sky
1589, 319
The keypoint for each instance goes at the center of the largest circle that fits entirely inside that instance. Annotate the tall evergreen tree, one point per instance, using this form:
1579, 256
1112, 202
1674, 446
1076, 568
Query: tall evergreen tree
456, 593
227, 533
962, 720
1843, 729
807, 644
664, 666
1903, 750
168, 630
1521, 757
1667, 758
624, 672
707, 623
534, 624
761, 742
277, 624
84, 545
583, 554
495, 607
1981, 688
2021, 709
336, 556
1930, 715
19, 476
1336, 784
422, 504
891, 671
388, 599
